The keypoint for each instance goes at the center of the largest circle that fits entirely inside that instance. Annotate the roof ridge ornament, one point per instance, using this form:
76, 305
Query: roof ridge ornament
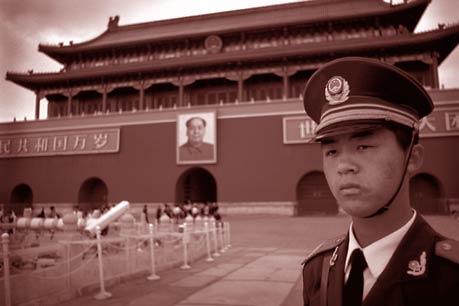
113, 22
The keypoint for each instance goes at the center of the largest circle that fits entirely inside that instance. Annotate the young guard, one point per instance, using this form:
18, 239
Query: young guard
367, 115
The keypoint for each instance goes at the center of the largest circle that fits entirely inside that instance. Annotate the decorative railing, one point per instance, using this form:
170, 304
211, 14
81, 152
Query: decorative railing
71, 264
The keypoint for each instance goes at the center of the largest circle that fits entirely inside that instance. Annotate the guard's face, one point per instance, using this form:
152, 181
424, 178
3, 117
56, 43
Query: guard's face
195, 131
363, 169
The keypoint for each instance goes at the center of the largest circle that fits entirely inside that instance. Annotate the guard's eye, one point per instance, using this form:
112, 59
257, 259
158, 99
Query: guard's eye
330, 153
362, 147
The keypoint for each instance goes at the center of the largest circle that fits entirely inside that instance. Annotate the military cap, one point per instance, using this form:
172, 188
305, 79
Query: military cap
353, 93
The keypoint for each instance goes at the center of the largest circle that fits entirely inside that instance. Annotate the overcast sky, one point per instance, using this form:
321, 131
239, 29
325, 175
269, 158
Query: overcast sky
26, 23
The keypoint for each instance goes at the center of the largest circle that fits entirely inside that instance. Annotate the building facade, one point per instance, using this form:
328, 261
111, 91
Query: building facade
119, 109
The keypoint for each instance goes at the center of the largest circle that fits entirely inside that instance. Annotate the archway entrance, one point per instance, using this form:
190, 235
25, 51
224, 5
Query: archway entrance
314, 195
196, 185
93, 194
20, 198
426, 194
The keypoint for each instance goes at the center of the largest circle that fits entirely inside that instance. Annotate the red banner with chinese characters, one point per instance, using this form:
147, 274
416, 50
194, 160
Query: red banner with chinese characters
442, 122
91, 141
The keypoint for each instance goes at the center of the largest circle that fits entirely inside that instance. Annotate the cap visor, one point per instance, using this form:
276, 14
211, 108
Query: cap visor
348, 127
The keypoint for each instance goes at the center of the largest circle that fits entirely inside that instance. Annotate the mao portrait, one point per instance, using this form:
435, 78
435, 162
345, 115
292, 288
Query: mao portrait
196, 138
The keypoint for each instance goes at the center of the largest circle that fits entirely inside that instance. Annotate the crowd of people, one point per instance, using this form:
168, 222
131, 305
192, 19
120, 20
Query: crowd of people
175, 211
52, 213
180, 211
7, 217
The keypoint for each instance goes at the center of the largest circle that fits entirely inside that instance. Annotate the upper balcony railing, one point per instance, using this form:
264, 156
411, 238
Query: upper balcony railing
252, 43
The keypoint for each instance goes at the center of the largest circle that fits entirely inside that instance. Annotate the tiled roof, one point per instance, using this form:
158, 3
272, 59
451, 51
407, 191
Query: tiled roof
247, 19
442, 40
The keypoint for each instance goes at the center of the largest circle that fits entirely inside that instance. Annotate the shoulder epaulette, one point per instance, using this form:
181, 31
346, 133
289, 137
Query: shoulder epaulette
324, 246
448, 249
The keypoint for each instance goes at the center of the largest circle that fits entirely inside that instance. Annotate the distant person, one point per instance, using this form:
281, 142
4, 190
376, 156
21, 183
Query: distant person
177, 212
53, 213
196, 148
159, 211
9, 218
168, 210
41, 214
145, 213
213, 210
194, 210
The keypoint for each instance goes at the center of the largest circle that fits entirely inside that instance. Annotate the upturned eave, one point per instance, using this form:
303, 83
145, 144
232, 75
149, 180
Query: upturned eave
442, 41
252, 19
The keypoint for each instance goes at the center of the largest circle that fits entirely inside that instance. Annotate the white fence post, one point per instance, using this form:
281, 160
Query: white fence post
102, 295
214, 233
206, 228
6, 269
69, 266
153, 275
127, 245
228, 235
220, 237
185, 240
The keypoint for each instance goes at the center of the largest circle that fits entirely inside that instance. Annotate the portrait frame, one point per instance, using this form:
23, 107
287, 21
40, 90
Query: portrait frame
205, 154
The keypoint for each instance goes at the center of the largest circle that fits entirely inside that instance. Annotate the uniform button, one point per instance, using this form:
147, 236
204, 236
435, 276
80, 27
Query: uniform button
446, 246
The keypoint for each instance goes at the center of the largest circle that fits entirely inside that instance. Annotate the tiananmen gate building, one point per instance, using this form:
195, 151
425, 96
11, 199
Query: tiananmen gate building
119, 108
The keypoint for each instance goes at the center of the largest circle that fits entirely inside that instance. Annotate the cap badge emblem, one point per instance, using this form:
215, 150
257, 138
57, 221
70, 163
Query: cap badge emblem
417, 268
337, 90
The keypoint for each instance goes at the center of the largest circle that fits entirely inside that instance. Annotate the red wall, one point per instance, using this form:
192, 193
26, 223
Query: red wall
442, 161
253, 164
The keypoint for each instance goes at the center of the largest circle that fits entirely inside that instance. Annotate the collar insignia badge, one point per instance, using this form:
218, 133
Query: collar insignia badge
334, 257
337, 90
417, 268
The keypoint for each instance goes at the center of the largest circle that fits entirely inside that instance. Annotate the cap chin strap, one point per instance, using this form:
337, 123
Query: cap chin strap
405, 169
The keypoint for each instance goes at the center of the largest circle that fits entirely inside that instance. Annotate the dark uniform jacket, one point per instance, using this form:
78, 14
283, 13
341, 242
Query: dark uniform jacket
408, 279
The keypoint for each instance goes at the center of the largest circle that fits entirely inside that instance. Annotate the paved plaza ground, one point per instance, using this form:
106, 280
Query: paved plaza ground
262, 268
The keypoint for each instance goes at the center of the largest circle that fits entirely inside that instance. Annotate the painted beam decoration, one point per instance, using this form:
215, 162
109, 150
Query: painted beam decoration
72, 142
443, 122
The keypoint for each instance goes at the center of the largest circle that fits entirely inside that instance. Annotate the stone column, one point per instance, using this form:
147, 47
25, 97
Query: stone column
37, 104
181, 83
181, 92
240, 88
104, 89
238, 76
436, 81
104, 98
69, 102
140, 86
286, 83
142, 95
285, 72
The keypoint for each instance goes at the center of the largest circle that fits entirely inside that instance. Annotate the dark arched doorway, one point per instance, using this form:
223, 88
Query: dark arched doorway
426, 194
196, 185
93, 194
314, 195
21, 197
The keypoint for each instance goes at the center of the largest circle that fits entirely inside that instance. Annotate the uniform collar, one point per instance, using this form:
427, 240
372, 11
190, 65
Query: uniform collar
379, 252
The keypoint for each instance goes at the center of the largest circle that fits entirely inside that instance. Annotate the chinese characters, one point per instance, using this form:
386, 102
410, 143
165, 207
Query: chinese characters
60, 143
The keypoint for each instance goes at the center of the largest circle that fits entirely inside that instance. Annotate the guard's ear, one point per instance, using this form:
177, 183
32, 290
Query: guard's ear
416, 158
